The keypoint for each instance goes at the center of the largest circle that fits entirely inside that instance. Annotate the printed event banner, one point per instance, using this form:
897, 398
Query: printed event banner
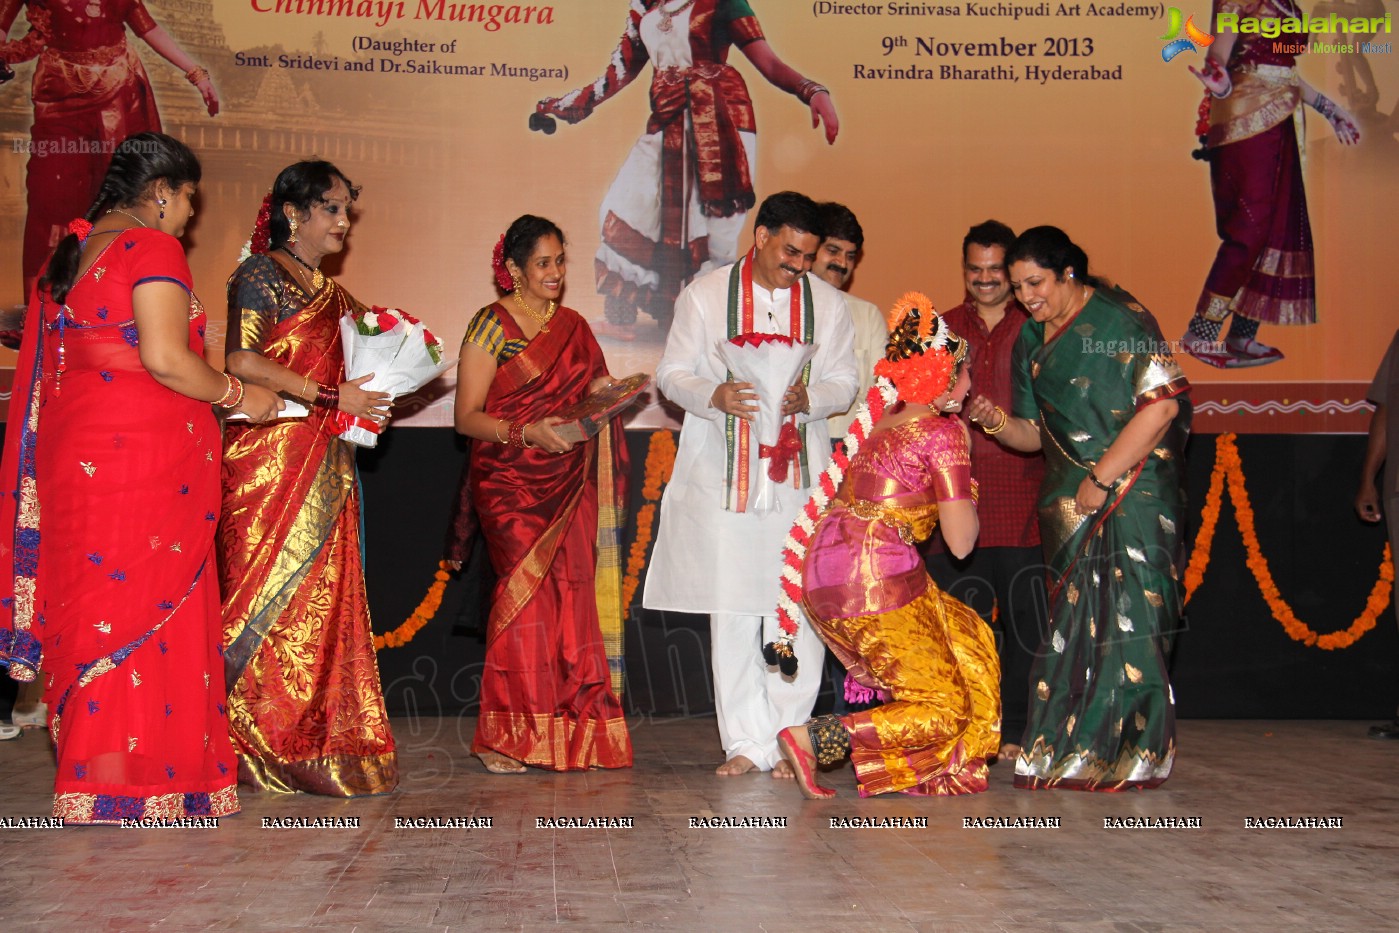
647, 130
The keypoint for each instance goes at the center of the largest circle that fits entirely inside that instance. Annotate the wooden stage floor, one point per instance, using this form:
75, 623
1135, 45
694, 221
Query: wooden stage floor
662, 872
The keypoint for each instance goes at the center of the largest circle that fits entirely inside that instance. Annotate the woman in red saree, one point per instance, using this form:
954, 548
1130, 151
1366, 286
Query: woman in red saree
111, 469
305, 706
90, 91
550, 512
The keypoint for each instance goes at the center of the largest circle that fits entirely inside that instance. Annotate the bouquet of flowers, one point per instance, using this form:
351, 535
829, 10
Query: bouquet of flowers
771, 362
402, 354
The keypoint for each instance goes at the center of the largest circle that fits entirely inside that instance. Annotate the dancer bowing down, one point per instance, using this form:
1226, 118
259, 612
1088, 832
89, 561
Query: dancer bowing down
869, 597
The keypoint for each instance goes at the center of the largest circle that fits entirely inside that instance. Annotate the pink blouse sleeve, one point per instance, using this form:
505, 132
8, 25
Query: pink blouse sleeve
949, 462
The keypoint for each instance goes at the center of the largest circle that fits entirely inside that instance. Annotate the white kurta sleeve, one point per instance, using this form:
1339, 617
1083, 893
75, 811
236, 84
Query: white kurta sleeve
679, 373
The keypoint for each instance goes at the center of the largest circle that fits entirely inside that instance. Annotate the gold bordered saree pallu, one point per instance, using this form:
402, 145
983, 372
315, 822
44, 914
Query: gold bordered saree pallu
550, 521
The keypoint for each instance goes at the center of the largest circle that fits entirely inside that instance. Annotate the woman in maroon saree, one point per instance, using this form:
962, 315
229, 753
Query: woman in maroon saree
549, 511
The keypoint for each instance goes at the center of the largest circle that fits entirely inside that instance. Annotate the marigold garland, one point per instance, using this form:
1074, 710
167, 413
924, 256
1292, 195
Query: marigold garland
660, 462
432, 601
1204, 539
1228, 467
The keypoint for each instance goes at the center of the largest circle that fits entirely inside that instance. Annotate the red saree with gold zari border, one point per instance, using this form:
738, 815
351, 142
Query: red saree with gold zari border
547, 697
305, 705
111, 492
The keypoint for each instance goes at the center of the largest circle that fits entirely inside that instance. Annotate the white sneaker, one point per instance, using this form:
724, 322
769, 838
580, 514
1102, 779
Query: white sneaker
8, 731
36, 717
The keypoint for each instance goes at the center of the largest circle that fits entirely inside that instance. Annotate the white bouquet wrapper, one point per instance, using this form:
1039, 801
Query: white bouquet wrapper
772, 363
399, 357
290, 409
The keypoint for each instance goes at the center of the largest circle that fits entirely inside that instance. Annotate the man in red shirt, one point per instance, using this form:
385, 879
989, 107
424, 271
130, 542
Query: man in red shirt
1004, 576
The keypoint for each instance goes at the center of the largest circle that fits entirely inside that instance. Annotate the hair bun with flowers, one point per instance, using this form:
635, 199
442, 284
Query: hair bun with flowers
260, 240
922, 354
502, 274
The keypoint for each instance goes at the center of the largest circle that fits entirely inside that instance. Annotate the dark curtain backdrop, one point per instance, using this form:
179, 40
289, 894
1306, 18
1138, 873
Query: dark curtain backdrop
1232, 659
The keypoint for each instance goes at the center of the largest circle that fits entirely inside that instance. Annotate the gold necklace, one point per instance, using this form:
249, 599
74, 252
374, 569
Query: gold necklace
117, 210
667, 15
541, 319
317, 276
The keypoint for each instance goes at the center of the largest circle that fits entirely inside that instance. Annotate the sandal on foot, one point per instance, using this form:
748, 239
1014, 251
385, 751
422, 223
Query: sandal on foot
1212, 352
1250, 353
496, 763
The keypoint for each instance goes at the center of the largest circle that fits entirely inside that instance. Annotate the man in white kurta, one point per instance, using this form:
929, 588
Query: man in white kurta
727, 563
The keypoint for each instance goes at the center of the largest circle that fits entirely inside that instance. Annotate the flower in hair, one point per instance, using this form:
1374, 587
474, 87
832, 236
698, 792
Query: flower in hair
922, 353
260, 240
80, 227
502, 275
919, 379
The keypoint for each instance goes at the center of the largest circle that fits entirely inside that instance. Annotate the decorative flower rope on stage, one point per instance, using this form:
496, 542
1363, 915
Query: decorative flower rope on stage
432, 601
660, 461
881, 395
1228, 467
1209, 519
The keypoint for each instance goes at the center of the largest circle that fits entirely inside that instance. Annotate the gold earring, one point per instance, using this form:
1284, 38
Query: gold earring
516, 278
291, 237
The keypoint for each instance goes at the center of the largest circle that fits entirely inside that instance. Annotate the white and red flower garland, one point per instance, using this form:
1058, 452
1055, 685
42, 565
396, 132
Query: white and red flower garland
881, 395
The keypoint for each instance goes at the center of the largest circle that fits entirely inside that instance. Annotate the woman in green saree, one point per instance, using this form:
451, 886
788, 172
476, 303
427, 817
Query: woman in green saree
1096, 389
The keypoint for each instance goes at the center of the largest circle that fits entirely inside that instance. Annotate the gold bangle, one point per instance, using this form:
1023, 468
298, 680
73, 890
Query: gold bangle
196, 74
1005, 420
808, 89
496, 428
305, 387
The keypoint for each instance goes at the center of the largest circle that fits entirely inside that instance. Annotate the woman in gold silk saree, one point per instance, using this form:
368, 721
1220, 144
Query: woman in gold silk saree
305, 704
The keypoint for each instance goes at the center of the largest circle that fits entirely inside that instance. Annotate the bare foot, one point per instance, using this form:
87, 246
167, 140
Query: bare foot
782, 771
496, 763
1010, 751
801, 758
738, 764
